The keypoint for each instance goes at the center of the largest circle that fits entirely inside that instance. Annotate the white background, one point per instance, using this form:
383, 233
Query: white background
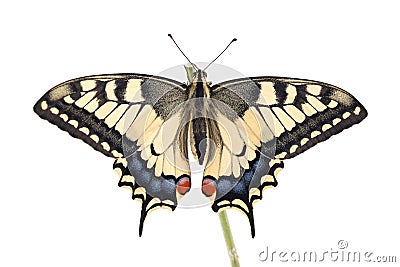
59, 200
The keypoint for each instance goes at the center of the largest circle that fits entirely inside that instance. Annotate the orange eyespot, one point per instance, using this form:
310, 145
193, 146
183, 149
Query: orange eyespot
183, 186
208, 187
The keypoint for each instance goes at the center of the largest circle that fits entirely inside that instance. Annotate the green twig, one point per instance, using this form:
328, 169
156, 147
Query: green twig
230, 244
223, 217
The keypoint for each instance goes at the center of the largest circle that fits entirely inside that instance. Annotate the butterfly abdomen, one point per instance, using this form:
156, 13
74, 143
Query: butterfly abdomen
199, 133
205, 137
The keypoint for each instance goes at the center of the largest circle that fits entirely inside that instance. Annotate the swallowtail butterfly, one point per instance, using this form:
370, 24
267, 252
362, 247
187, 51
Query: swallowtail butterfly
241, 131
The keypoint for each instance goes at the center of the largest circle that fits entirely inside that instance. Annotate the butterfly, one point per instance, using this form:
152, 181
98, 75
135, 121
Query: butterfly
240, 130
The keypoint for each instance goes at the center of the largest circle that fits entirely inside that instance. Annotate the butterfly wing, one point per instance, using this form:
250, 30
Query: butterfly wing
300, 113
129, 117
304, 112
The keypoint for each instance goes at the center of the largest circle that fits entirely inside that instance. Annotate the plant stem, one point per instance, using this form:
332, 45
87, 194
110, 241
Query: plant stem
223, 217
230, 244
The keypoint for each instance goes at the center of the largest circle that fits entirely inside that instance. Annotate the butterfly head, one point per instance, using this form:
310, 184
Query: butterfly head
199, 76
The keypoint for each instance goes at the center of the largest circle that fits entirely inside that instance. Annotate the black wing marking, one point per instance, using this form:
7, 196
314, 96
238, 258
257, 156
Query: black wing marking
300, 113
129, 117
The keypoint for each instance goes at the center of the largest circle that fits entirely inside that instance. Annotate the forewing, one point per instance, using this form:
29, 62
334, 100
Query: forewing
97, 109
303, 112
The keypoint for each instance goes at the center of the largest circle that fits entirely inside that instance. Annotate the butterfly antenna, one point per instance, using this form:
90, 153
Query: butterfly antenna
233, 40
194, 66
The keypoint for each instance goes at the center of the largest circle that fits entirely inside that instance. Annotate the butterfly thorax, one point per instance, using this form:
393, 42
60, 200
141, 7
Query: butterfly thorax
201, 127
199, 86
